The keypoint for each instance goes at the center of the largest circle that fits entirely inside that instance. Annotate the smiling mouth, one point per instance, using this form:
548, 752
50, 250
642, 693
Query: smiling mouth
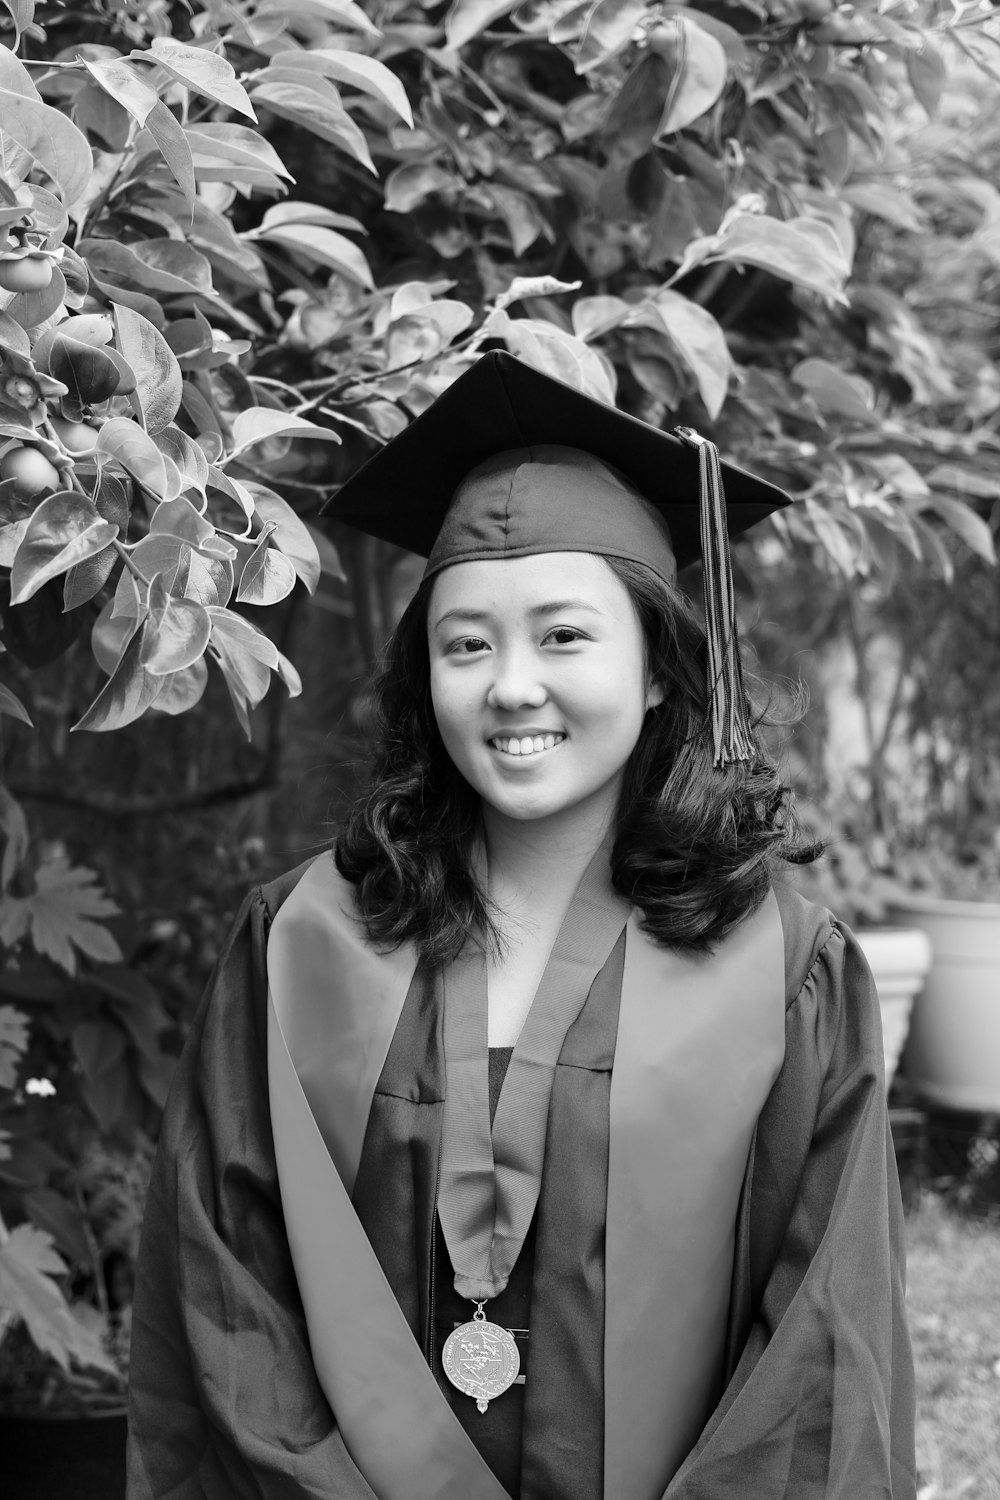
529, 744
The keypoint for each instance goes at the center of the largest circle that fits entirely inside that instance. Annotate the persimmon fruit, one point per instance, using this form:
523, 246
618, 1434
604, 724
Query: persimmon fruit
30, 469
76, 437
25, 273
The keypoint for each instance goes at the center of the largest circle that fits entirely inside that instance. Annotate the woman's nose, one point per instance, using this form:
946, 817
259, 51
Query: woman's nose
516, 683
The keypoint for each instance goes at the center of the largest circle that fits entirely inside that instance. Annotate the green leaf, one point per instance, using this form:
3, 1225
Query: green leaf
296, 211
218, 149
411, 184
210, 580
110, 635
317, 245
699, 340
965, 481
179, 260
802, 250
317, 114
188, 455
338, 12
180, 691
11, 705
533, 286
965, 523
361, 72
175, 634
834, 390
205, 72
246, 658
215, 236
592, 316
61, 914
87, 372
27, 1264
698, 77
124, 440
289, 533
467, 18
173, 145
519, 212
14, 826
13, 1043
139, 266
86, 579
32, 308
65, 529
125, 696
98, 1046
555, 353
885, 201
53, 140
267, 575
928, 74
261, 422
13, 74
179, 518
13, 336
608, 30
158, 378
124, 85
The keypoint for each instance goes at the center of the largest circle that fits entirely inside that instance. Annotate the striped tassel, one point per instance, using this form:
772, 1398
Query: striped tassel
731, 736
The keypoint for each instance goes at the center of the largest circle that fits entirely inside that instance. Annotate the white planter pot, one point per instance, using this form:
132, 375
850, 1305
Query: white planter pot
953, 1053
899, 958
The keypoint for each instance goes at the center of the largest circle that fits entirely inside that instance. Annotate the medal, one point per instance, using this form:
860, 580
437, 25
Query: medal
481, 1359
491, 1172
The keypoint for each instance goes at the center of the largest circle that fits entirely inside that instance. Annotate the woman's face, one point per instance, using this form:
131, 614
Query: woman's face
539, 682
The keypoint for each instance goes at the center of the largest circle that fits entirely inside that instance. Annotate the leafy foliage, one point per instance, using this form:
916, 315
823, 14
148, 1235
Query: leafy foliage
243, 242
165, 342
27, 1265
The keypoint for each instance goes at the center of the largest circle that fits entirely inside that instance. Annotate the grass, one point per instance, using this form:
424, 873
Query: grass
953, 1299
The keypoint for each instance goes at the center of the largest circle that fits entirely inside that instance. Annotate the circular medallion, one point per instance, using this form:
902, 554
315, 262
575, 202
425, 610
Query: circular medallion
481, 1359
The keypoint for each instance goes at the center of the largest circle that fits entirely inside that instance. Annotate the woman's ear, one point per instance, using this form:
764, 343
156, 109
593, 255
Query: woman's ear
655, 693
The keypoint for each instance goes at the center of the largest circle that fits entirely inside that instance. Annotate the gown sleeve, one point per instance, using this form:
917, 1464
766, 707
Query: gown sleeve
224, 1401
819, 1400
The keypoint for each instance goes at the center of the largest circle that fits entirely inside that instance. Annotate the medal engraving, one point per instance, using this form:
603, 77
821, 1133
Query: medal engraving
481, 1359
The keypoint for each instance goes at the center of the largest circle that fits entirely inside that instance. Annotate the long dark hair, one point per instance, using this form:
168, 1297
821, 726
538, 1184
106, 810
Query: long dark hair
694, 845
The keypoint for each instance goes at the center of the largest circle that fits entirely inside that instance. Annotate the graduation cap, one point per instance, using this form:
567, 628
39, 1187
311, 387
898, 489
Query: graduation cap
508, 462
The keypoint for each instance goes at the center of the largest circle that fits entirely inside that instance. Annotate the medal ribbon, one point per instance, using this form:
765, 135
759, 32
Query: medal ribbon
490, 1181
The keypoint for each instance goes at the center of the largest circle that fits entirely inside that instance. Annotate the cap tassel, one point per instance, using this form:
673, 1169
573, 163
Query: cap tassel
732, 739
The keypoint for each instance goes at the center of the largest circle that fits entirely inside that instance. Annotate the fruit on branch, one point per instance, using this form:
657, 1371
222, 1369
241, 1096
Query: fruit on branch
25, 273
30, 469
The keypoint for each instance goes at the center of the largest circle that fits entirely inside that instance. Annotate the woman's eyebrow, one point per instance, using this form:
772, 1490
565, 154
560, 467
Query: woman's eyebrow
552, 607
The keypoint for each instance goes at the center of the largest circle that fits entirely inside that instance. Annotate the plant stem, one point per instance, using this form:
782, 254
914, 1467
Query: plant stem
864, 687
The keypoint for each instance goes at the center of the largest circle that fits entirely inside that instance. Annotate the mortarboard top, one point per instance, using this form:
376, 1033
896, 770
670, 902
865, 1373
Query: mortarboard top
403, 493
509, 462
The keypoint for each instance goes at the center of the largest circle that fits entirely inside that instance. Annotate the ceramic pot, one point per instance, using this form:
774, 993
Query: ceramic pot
63, 1458
952, 1057
899, 958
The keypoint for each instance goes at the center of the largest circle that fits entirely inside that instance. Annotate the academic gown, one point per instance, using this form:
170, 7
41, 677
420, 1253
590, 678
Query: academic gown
815, 1394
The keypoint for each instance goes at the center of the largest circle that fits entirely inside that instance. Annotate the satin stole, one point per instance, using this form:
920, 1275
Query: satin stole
699, 1043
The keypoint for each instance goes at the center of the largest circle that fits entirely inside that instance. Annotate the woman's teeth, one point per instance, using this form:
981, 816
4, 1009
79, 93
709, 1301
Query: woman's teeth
529, 745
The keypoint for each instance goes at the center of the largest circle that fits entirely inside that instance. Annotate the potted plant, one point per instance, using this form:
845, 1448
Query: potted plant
848, 881
82, 1076
953, 1054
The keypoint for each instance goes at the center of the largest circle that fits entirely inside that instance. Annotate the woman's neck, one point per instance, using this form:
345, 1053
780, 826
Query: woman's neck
531, 867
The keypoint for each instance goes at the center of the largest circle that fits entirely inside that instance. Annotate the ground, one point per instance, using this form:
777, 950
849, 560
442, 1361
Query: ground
953, 1298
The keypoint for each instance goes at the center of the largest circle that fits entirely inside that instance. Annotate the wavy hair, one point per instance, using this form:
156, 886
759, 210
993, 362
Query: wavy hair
694, 844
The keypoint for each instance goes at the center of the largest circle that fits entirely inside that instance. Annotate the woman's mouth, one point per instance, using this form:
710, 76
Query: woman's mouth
529, 744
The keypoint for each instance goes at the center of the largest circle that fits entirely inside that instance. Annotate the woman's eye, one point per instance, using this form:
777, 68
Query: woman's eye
469, 645
564, 635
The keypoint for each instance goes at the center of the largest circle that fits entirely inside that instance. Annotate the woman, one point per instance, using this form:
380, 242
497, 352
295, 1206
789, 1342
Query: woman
536, 1144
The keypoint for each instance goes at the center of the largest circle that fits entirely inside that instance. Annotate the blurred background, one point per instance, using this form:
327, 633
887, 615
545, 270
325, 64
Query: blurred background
242, 244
